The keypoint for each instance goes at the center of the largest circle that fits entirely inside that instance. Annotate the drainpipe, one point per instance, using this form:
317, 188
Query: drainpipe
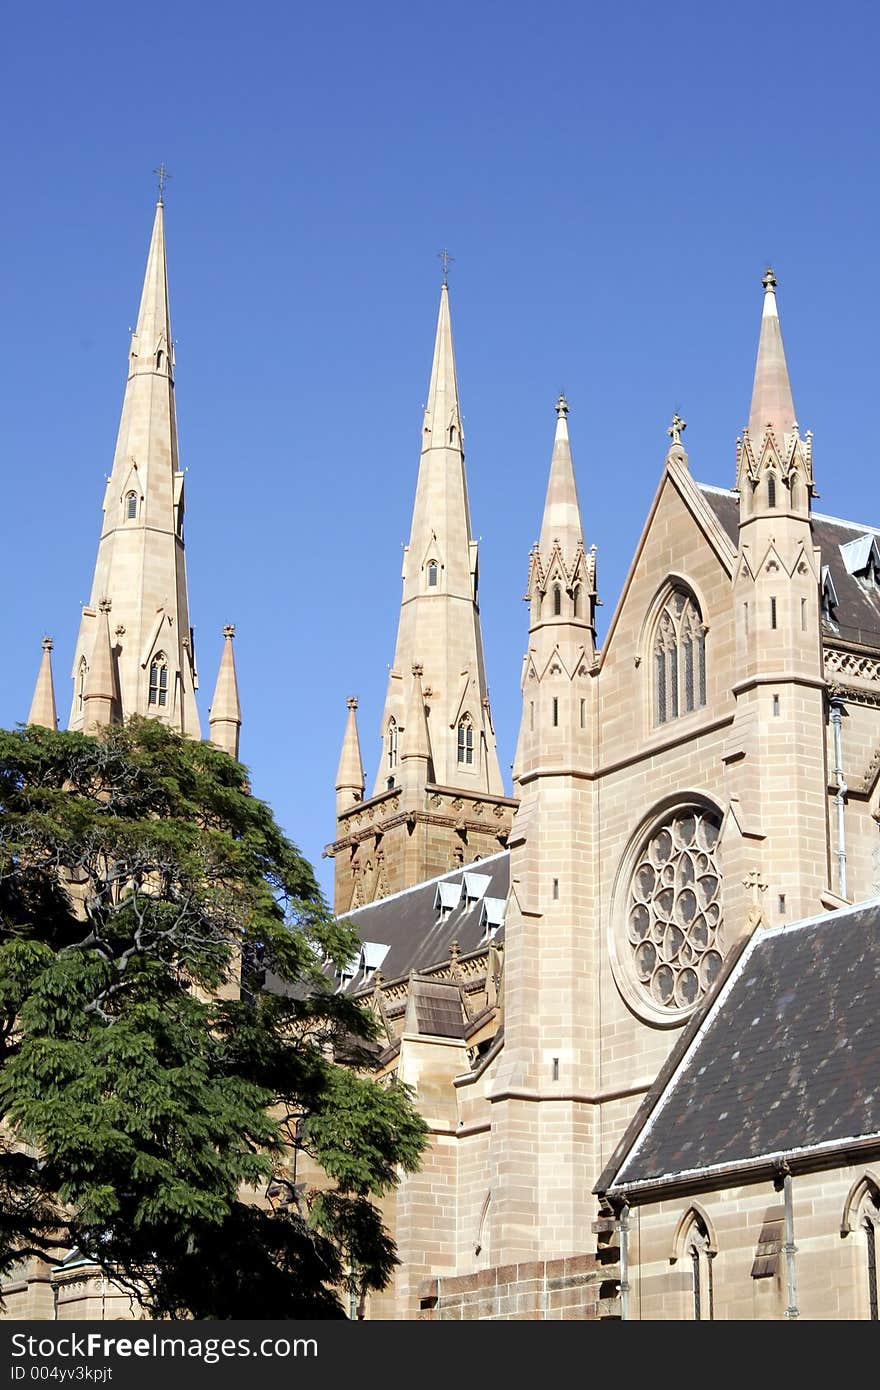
789, 1248
840, 798
623, 1235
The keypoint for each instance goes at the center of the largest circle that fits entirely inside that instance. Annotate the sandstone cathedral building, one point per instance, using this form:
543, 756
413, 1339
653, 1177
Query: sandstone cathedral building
637, 998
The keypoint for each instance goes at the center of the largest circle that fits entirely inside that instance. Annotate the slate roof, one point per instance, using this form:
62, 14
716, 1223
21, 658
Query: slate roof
438, 1009
418, 934
786, 1059
858, 609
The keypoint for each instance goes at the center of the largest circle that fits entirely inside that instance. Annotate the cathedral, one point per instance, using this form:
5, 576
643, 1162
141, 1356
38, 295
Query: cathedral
637, 999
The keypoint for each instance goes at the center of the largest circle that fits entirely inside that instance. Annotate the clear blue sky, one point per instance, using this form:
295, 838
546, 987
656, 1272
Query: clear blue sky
611, 181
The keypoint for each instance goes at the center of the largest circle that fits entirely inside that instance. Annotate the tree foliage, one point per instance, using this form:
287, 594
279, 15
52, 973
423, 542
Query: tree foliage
152, 1087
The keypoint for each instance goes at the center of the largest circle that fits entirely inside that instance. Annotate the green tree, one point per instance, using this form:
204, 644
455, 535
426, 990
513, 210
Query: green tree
155, 1072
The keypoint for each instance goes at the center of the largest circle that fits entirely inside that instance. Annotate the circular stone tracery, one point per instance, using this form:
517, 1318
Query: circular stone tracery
675, 910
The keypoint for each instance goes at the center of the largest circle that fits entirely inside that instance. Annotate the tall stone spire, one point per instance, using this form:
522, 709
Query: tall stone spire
224, 716
438, 798
140, 566
350, 773
43, 710
772, 403
439, 627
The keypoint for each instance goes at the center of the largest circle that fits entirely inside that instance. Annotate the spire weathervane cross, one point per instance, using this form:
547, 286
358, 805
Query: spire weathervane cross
163, 176
676, 428
445, 257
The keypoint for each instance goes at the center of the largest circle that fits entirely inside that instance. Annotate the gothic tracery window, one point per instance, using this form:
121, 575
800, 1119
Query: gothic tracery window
679, 658
674, 912
158, 689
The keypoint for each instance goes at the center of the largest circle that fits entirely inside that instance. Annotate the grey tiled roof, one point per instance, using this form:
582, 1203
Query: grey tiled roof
786, 1059
417, 933
858, 609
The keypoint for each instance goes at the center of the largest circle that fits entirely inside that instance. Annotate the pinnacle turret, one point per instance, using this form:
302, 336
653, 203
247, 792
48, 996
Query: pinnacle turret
561, 523
225, 713
350, 773
42, 709
772, 403
100, 702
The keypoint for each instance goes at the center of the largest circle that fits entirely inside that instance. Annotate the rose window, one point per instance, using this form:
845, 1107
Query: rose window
674, 917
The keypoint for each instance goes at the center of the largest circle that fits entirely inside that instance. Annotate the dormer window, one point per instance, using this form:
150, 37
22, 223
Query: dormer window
829, 598
158, 689
131, 506
492, 916
433, 574
862, 558
465, 748
475, 886
447, 899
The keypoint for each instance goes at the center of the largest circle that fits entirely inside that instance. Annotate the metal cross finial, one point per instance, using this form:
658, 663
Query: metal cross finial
446, 259
163, 177
676, 428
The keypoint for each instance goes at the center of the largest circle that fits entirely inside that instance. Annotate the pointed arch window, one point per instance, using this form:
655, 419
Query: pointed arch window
771, 489
391, 745
433, 574
697, 1253
557, 600
576, 600
131, 506
465, 746
158, 689
679, 658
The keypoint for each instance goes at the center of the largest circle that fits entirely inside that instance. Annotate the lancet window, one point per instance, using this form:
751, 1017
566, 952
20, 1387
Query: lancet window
679, 658
392, 745
131, 506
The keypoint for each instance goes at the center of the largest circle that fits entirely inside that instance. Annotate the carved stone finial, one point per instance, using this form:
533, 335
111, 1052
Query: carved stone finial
562, 405
676, 429
768, 280
758, 885
48, 644
229, 630
417, 668
105, 605
352, 702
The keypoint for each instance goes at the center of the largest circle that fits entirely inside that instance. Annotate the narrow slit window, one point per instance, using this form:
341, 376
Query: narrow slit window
771, 490
557, 600
392, 745
583, 714
773, 612
532, 715
131, 507
432, 574
555, 711
803, 615
576, 600
776, 706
